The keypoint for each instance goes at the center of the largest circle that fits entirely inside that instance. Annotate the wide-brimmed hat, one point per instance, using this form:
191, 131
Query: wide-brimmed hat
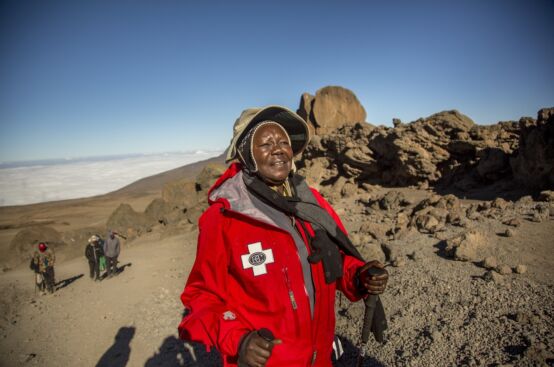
295, 126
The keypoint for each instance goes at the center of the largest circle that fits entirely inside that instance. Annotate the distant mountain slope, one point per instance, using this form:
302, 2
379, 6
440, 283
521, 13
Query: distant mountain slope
155, 183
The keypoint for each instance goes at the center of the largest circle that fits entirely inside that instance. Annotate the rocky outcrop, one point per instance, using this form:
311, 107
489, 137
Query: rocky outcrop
446, 149
180, 206
207, 177
466, 246
127, 221
332, 107
533, 166
158, 211
26, 241
180, 194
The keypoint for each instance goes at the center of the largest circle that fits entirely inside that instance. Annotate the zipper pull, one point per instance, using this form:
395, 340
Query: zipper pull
292, 300
314, 356
291, 294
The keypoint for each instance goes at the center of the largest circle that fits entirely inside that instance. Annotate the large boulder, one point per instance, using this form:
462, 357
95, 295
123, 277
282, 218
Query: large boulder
533, 167
209, 174
127, 221
332, 107
158, 211
305, 111
181, 193
466, 246
25, 242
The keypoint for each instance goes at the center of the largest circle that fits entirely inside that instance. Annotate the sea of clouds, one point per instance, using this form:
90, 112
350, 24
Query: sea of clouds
34, 182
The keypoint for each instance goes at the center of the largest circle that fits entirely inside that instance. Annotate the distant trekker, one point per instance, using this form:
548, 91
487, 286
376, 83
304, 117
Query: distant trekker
94, 254
43, 264
111, 251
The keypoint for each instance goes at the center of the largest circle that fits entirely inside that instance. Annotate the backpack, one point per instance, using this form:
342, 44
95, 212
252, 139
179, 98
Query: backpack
33, 266
102, 263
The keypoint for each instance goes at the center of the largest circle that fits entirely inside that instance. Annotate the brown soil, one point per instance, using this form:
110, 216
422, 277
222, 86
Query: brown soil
441, 312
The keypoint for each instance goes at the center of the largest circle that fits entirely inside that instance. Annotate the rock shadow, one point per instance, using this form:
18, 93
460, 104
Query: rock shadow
350, 356
64, 283
118, 354
485, 192
174, 352
441, 250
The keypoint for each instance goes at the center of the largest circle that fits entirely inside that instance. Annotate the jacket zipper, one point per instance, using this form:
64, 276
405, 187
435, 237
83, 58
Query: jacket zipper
308, 240
285, 270
289, 288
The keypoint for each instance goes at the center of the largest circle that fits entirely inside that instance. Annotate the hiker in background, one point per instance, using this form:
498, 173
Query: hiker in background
111, 251
43, 263
271, 253
94, 254
39, 279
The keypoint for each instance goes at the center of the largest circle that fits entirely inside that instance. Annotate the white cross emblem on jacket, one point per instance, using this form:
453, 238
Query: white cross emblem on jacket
256, 258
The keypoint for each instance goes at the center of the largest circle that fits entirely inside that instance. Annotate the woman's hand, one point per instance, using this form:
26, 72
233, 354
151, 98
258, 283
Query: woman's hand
256, 348
373, 277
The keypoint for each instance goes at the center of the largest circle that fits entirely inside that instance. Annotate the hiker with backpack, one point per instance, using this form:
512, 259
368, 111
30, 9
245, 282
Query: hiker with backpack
94, 254
42, 264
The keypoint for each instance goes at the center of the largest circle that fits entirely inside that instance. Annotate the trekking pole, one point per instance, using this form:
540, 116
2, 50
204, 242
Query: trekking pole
370, 304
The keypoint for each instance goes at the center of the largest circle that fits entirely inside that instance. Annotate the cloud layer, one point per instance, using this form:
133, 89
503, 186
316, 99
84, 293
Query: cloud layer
35, 183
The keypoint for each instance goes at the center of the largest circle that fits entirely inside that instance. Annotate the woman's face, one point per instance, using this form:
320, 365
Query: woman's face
272, 153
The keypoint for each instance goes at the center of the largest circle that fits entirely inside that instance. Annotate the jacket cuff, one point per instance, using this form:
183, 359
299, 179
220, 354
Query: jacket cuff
231, 337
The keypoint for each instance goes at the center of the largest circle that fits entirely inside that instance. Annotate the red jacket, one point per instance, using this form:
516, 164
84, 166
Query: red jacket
247, 275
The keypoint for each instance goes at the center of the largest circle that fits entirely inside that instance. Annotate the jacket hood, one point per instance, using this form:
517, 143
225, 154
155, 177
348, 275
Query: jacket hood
230, 190
296, 127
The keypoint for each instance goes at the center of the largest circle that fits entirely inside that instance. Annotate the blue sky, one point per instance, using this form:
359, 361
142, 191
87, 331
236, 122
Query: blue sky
86, 78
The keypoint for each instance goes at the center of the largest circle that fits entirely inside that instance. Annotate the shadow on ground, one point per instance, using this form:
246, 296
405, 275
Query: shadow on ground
121, 268
174, 352
64, 283
118, 354
350, 356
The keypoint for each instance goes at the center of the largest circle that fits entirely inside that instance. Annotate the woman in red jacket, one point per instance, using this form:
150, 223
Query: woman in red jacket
271, 253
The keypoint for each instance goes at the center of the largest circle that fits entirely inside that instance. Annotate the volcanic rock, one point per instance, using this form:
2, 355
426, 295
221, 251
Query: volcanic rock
127, 221
180, 194
520, 269
547, 195
209, 174
332, 107
533, 167
26, 240
490, 262
466, 246
504, 269
158, 210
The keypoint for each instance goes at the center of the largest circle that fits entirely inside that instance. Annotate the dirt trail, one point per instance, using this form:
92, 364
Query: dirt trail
441, 312
77, 325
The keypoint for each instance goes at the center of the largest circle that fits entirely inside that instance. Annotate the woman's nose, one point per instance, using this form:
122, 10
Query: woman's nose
277, 149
